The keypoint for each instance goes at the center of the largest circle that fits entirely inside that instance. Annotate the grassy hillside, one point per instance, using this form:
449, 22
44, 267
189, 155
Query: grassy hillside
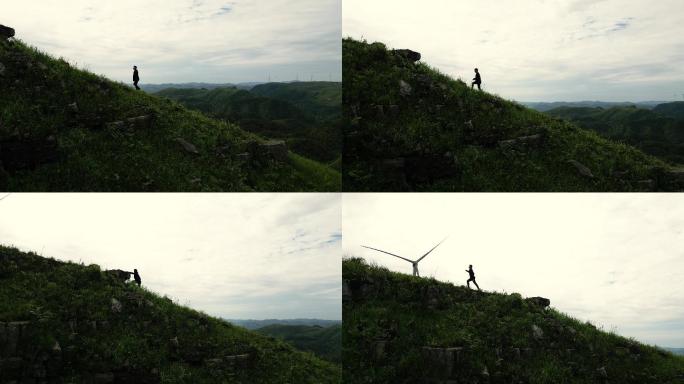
404, 329
649, 130
412, 128
324, 342
316, 136
72, 323
64, 129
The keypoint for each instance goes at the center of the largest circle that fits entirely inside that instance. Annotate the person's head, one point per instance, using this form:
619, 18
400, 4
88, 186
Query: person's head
135, 270
476, 70
135, 67
470, 266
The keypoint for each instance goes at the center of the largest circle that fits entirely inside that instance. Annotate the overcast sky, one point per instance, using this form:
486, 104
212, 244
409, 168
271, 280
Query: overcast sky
616, 260
539, 50
249, 256
187, 40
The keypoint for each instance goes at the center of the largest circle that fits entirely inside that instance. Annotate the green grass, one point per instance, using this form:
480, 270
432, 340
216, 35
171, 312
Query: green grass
429, 129
84, 153
325, 342
71, 304
405, 313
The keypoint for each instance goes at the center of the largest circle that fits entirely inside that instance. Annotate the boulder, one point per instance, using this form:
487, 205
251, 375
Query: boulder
276, 149
119, 274
537, 332
532, 141
140, 122
116, 305
379, 349
405, 88
187, 146
539, 301
581, 168
407, 54
6, 32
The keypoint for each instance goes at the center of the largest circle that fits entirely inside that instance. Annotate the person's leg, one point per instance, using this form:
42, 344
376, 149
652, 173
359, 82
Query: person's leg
468, 283
472, 85
478, 87
478, 287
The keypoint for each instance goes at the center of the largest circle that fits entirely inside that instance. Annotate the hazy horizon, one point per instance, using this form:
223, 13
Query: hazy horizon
539, 50
237, 255
180, 41
611, 259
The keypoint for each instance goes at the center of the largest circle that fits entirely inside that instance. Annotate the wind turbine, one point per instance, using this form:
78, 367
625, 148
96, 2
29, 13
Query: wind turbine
414, 263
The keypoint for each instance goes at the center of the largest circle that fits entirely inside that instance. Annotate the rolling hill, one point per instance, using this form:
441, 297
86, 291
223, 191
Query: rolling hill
324, 342
411, 128
301, 119
256, 324
73, 323
657, 132
404, 329
64, 129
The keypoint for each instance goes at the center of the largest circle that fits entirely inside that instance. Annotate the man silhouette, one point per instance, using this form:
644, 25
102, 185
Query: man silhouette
136, 276
471, 277
136, 77
476, 80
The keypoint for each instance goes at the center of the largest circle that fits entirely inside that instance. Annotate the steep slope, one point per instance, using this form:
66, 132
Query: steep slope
414, 129
305, 132
648, 130
404, 329
70, 323
324, 342
63, 129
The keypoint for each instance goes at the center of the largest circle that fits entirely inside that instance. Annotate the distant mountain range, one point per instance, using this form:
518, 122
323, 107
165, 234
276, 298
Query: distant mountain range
547, 106
153, 88
676, 351
255, 324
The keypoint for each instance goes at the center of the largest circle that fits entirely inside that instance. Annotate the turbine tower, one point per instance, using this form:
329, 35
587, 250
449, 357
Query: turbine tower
414, 263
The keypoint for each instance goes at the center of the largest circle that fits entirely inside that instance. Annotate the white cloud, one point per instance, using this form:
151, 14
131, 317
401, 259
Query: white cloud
538, 49
187, 40
613, 259
231, 255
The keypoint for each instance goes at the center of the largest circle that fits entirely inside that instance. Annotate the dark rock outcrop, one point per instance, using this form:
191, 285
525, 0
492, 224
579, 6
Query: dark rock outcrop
541, 302
6, 32
408, 54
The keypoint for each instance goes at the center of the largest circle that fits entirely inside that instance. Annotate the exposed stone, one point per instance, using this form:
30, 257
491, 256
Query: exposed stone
531, 141
408, 54
187, 146
73, 107
581, 168
116, 305
276, 149
539, 301
119, 274
379, 349
537, 332
140, 122
405, 88
442, 362
6, 32
601, 372
57, 348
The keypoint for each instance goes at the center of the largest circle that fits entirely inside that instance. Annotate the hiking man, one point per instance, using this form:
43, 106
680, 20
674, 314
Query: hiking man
136, 77
476, 80
136, 276
471, 277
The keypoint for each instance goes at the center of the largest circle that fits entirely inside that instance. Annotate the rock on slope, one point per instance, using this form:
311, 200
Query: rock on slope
63, 129
412, 128
69, 323
404, 329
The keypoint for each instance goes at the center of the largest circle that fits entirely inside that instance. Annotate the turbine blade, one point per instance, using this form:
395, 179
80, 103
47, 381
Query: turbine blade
433, 248
391, 254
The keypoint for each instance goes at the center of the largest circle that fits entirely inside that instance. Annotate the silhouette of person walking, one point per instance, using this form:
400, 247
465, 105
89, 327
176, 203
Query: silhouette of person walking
136, 276
471, 277
136, 77
477, 80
